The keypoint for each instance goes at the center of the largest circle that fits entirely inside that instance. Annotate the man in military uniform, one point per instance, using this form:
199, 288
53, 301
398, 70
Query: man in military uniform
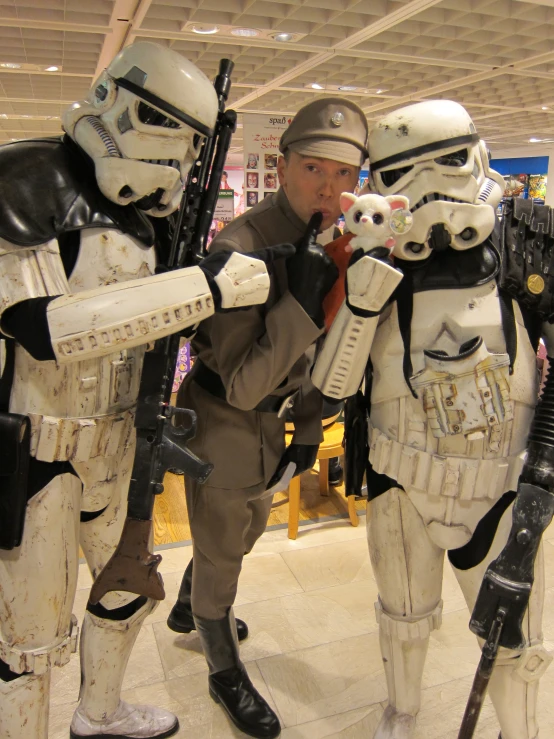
249, 369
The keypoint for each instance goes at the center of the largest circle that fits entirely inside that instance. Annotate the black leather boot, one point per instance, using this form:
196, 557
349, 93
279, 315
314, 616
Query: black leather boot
180, 619
336, 475
243, 704
229, 683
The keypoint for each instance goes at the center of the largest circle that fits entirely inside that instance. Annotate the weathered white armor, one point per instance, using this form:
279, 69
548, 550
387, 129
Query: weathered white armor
99, 314
450, 411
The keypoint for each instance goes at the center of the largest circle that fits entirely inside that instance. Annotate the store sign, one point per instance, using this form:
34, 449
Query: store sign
261, 135
225, 206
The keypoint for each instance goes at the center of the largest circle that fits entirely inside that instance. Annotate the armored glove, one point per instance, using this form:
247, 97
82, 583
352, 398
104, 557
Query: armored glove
302, 455
311, 273
241, 280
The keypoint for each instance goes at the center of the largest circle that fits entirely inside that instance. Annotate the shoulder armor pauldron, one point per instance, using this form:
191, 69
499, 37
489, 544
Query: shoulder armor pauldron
48, 189
527, 256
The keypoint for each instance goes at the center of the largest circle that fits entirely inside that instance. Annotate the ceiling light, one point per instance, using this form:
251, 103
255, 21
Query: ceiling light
283, 36
378, 92
52, 69
316, 86
534, 141
10, 65
544, 107
205, 30
245, 32
347, 88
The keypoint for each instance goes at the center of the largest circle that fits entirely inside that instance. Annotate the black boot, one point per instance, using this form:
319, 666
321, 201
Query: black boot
229, 683
180, 619
243, 704
336, 475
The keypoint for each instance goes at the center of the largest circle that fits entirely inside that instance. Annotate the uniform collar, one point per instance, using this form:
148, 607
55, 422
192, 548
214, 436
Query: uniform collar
283, 203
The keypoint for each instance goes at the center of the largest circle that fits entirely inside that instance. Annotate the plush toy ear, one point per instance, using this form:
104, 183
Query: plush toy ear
398, 201
346, 201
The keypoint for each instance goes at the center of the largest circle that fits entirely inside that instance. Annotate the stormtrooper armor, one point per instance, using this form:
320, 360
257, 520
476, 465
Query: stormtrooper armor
453, 391
79, 301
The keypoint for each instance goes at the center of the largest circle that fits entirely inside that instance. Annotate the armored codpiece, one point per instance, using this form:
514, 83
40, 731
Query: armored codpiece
161, 444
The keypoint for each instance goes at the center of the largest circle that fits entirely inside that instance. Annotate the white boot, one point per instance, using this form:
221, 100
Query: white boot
128, 722
105, 649
404, 645
24, 707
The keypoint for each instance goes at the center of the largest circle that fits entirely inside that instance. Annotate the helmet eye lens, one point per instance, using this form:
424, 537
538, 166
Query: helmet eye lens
153, 117
391, 176
454, 159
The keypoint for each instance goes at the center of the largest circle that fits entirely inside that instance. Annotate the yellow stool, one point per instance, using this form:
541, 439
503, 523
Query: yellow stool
331, 446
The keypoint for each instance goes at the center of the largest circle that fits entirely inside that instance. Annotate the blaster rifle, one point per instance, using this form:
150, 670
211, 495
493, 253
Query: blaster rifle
161, 443
506, 587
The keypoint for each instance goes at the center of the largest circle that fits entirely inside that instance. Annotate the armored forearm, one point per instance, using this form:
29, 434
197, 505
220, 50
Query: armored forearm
340, 366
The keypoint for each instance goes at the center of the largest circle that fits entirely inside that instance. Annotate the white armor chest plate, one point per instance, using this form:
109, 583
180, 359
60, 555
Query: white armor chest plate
66, 402
464, 437
466, 400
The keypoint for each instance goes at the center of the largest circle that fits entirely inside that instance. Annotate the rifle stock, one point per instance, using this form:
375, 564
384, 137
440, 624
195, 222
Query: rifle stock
161, 444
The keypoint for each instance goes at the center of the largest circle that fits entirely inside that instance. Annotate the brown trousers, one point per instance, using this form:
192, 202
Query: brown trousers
225, 525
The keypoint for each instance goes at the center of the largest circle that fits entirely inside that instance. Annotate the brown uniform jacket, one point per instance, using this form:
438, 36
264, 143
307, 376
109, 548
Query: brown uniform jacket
257, 352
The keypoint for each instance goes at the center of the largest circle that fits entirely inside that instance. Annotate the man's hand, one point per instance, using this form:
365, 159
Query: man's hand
241, 280
302, 455
311, 272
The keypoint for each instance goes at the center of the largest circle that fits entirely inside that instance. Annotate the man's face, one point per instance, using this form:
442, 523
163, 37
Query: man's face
312, 184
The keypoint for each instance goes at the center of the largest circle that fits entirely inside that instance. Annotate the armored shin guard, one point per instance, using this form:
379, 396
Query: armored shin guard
106, 645
24, 701
404, 643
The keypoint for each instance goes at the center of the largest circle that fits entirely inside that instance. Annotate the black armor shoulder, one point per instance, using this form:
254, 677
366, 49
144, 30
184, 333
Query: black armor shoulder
526, 244
48, 189
452, 269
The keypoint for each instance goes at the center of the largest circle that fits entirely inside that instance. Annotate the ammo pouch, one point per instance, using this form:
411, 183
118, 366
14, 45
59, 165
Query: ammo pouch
15, 452
527, 256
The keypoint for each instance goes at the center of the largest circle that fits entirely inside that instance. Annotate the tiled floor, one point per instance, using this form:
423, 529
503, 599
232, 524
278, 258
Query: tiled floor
313, 650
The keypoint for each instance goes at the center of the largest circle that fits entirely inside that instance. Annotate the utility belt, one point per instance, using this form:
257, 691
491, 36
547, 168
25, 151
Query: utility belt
212, 383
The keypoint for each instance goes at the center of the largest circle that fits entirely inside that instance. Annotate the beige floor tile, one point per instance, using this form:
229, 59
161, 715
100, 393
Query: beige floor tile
453, 650
308, 619
174, 559
332, 564
65, 684
188, 698
358, 724
266, 577
310, 535
181, 654
312, 684
452, 596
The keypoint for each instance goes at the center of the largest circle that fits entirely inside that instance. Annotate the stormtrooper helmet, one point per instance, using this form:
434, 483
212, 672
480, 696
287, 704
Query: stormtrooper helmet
431, 153
143, 124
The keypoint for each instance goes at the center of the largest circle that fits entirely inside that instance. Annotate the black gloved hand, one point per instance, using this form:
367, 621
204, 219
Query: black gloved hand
212, 265
311, 272
303, 455
378, 252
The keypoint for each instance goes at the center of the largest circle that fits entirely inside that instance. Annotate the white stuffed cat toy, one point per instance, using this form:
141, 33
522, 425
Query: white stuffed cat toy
375, 219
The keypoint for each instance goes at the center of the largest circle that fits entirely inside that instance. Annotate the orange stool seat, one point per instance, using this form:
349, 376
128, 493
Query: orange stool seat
330, 447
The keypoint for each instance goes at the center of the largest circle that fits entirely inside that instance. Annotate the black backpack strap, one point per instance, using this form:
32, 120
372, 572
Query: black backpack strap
509, 328
6, 379
404, 297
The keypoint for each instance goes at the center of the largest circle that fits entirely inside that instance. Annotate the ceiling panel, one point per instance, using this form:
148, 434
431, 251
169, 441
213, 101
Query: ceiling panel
494, 56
